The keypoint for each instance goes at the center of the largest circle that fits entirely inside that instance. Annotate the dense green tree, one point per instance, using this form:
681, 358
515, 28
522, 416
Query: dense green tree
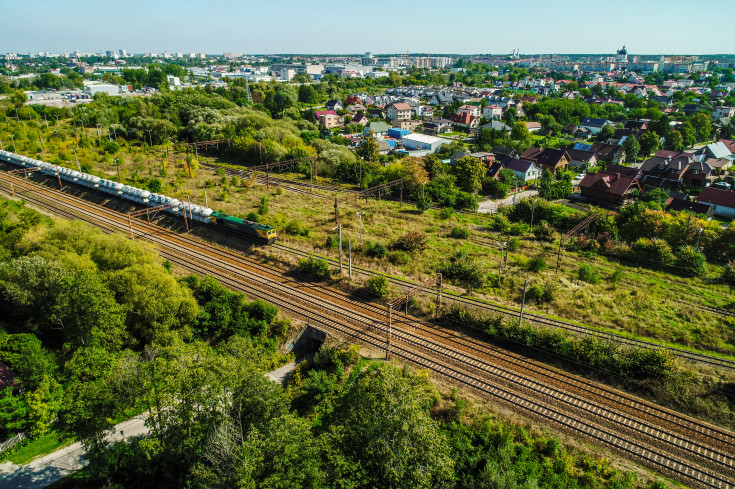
631, 147
674, 141
469, 172
702, 125
649, 143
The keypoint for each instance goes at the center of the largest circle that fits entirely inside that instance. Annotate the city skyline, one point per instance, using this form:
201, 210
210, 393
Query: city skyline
330, 27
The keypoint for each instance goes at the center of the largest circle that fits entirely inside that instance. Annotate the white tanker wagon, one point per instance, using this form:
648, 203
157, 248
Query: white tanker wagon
127, 192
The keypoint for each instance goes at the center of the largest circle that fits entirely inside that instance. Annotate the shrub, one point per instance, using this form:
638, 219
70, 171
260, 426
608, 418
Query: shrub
728, 274
465, 269
294, 228
617, 275
499, 222
460, 232
223, 195
518, 229
544, 232
514, 244
538, 264
252, 216
316, 267
378, 286
691, 261
155, 185
423, 203
588, 274
399, 257
446, 213
655, 251
263, 206
411, 241
331, 242
235, 181
376, 250
280, 191
540, 293
466, 201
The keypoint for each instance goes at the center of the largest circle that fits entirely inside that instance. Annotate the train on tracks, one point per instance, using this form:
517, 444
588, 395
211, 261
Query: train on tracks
256, 231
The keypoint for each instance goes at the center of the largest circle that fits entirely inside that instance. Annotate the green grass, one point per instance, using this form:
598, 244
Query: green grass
48, 443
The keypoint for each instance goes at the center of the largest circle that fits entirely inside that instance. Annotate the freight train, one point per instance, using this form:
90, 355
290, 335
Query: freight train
254, 230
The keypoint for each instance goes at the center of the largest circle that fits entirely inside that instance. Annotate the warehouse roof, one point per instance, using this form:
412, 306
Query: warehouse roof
422, 138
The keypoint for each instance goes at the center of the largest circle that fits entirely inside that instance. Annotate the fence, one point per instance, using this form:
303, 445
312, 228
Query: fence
11, 441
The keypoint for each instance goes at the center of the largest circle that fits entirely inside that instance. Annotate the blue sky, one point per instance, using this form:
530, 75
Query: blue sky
330, 26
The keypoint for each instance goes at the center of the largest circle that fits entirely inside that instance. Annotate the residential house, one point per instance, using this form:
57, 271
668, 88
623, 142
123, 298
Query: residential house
497, 125
719, 165
319, 113
334, 105
675, 204
359, 119
699, 174
399, 111
611, 153
407, 124
379, 129
484, 156
533, 126
531, 154
581, 159
356, 109
433, 127
472, 110
424, 111
376, 113
721, 201
385, 146
352, 100
441, 99
724, 111
525, 170
690, 109
593, 125
553, 159
667, 168
464, 121
493, 171
610, 188
717, 150
492, 112
569, 129
330, 121
501, 152
728, 144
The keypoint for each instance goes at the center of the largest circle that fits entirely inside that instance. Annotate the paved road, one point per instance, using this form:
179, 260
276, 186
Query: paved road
45, 470
490, 206
52, 467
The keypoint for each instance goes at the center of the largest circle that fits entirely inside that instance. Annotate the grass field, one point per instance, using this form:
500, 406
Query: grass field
45, 444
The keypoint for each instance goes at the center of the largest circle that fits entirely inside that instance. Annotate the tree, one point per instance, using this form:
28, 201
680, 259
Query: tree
520, 133
414, 175
702, 124
369, 149
688, 134
388, 431
509, 116
631, 148
674, 141
607, 131
649, 143
469, 172
307, 94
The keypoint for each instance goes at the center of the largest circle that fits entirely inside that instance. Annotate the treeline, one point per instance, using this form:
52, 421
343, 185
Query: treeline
79, 304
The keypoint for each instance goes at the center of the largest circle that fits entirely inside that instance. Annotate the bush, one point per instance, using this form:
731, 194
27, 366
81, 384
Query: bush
728, 274
411, 241
446, 213
655, 251
331, 242
376, 250
378, 286
399, 257
263, 206
460, 232
280, 191
316, 267
617, 275
465, 269
538, 264
691, 261
423, 203
466, 201
499, 222
252, 216
544, 232
514, 244
541, 293
294, 228
518, 229
588, 274
155, 185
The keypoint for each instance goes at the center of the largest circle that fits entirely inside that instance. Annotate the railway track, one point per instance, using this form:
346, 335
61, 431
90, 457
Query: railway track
537, 319
683, 447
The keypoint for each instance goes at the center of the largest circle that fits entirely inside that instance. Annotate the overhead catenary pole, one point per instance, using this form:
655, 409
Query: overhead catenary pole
349, 251
118, 170
79, 166
523, 301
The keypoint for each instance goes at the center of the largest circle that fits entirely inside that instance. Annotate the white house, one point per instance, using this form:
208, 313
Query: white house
524, 170
593, 125
492, 112
472, 110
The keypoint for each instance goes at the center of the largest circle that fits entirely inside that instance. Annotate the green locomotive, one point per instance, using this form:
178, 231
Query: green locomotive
257, 231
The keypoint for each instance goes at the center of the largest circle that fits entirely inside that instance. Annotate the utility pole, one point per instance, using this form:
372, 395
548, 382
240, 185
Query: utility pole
360, 214
336, 212
523, 301
118, 170
40, 141
79, 166
339, 226
349, 251
500, 262
206, 202
188, 198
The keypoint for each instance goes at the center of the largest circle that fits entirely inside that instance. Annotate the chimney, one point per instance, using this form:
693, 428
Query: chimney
617, 176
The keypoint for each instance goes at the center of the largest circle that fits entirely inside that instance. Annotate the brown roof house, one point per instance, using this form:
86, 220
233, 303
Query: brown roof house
553, 159
608, 187
722, 201
675, 204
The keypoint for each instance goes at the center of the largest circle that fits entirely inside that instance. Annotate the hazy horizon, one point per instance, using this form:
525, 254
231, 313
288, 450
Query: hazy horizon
326, 26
